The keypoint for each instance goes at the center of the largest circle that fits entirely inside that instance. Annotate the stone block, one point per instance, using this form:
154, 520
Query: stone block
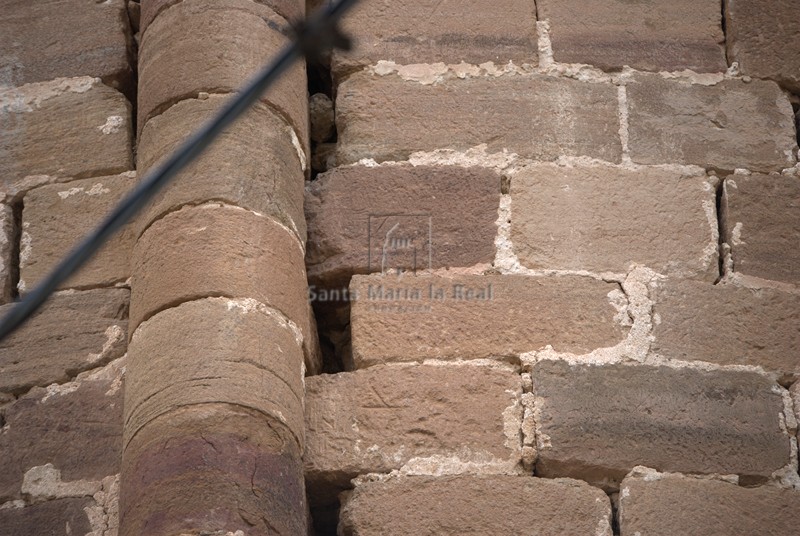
730, 125
648, 35
603, 218
432, 217
408, 318
596, 423
761, 220
74, 331
58, 216
538, 117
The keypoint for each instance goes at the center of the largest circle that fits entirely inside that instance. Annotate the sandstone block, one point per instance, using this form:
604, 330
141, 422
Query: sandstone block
538, 117
428, 31
56, 217
729, 125
253, 164
215, 46
603, 218
67, 128
215, 350
77, 429
486, 505
438, 216
217, 250
240, 472
649, 503
795, 392
471, 317
74, 332
421, 417
57, 518
764, 37
761, 218
40, 41
598, 422
7, 246
728, 325
648, 35
288, 9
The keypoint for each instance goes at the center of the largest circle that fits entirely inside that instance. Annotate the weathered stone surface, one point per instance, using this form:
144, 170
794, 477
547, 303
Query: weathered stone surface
539, 117
74, 331
216, 250
441, 216
727, 324
212, 469
764, 37
64, 517
470, 317
487, 505
649, 504
598, 422
215, 46
215, 350
761, 219
321, 117
729, 125
603, 218
41, 41
429, 31
56, 217
65, 128
421, 417
7, 237
253, 164
648, 35
288, 9
77, 429
795, 392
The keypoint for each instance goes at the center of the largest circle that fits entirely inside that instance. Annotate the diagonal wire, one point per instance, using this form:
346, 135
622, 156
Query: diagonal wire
320, 31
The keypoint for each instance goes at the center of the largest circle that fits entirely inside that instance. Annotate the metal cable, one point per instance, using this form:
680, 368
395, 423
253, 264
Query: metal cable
312, 37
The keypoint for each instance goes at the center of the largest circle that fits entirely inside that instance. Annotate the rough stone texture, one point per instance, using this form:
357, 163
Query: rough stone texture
56, 217
476, 505
215, 350
708, 507
396, 319
288, 9
253, 164
74, 331
598, 422
649, 35
321, 117
603, 218
761, 219
239, 472
430, 31
64, 517
730, 125
764, 37
65, 128
77, 429
41, 41
418, 416
7, 236
447, 215
539, 117
727, 324
795, 392
215, 46
216, 250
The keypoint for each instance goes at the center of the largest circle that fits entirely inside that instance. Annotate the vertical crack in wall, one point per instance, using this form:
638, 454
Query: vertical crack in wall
724, 25
724, 247
17, 207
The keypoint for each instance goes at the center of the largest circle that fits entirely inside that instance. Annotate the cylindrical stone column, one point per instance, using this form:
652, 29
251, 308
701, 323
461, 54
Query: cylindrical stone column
221, 330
